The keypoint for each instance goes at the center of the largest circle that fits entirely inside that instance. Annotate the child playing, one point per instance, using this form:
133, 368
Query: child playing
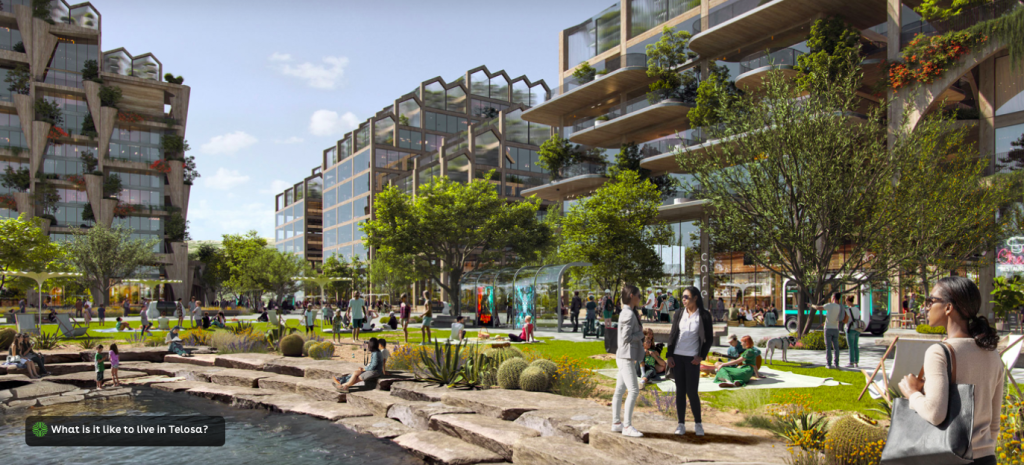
336, 327
115, 360
100, 366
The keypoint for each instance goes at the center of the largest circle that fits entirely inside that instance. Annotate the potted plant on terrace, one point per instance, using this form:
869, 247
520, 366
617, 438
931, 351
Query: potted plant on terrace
600, 120
584, 73
1007, 297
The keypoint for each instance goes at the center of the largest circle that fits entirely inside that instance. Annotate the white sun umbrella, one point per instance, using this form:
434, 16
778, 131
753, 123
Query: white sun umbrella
40, 277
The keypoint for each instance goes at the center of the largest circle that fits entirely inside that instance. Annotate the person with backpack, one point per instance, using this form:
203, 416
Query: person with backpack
853, 330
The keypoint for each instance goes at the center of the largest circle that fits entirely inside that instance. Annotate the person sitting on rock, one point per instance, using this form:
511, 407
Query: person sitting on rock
365, 374
20, 348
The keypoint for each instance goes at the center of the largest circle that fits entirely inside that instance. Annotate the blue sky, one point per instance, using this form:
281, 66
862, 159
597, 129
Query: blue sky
275, 83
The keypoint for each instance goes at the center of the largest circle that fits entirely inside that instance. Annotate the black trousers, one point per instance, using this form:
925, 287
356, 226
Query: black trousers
686, 375
574, 316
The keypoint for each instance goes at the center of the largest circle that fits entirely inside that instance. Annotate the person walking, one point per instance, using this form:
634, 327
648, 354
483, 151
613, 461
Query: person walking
720, 310
143, 321
650, 307
954, 303
852, 333
428, 317
404, 313
22, 304
834, 318
309, 319
689, 344
78, 308
591, 321
629, 354
179, 312
102, 314
574, 310
196, 312
356, 313
125, 307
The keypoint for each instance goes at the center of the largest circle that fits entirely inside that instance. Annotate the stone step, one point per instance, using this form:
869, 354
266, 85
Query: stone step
566, 423
184, 370
313, 389
375, 402
377, 426
204, 360
36, 389
417, 415
495, 435
59, 368
327, 369
562, 451
53, 358
240, 378
509, 406
226, 394
659, 445
87, 379
244, 361
434, 447
422, 392
176, 386
332, 411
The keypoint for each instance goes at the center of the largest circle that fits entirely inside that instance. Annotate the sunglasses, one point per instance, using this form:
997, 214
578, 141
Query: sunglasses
929, 301
685, 297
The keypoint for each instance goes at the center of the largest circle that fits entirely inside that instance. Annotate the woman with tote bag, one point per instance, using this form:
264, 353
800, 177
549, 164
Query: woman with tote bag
951, 415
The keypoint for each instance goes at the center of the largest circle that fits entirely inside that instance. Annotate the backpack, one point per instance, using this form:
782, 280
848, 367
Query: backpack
855, 324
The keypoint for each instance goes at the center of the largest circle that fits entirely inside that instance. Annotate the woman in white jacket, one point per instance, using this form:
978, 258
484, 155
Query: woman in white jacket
630, 352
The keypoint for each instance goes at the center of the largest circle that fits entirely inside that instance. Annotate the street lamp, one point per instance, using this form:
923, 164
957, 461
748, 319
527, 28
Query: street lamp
39, 278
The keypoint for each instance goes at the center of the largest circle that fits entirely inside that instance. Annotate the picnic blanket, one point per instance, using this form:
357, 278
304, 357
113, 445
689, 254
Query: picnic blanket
773, 379
133, 330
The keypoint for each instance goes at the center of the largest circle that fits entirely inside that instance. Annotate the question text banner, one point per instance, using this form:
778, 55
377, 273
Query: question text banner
125, 431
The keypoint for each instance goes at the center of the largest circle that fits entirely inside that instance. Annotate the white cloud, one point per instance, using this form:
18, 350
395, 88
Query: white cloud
324, 75
225, 179
290, 140
328, 123
277, 186
228, 144
210, 220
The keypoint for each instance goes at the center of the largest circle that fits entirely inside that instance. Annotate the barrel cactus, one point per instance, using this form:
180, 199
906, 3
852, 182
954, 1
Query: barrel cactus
498, 355
6, 338
291, 346
509, 371
548, 366
534, 379
854, 440
308, 345
321, 351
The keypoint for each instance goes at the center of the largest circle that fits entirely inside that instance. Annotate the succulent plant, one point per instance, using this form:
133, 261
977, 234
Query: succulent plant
534, 379
307, 346
322, 351
854, 440
499, 355
548, 366
291, 346
509, 371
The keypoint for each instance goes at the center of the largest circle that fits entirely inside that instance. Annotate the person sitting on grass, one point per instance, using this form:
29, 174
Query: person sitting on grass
738, 373
221, 321
365, 374
122, 325
527, 334
52, 316
206, 320
459, 329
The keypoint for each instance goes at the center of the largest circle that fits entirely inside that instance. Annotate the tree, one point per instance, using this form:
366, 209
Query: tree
337, 268
663, 59
557, 154
91, 71
244, 274
18, 79
18, 181
942, 9
279, 270
813, 193
391, 272
449, 224
215, 270
176, 228
628, 159
616, 230
834, 54
24, 247
713, 93
107, 256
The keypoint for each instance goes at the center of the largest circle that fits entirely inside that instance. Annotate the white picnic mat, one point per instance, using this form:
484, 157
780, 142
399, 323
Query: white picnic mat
773, 379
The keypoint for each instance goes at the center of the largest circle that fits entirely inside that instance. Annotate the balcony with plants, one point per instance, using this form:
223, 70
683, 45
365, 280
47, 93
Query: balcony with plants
590, 84
574, 170
754, 66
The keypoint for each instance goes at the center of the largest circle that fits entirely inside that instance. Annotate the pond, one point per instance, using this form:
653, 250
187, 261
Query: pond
253, 436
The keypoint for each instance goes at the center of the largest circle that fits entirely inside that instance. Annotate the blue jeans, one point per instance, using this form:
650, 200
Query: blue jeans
832, 343
852, 341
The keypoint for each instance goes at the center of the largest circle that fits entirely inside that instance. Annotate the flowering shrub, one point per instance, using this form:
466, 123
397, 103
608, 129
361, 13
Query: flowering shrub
129, 117
230, 343
573, 379
196, 337
162, 166
124, 209
926, 58
1011, 427
408, 357
57, 132
7, 201
76, 179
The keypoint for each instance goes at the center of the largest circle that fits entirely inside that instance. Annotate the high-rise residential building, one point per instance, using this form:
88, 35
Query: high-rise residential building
749, 38
78, 122
461, 128
299, 219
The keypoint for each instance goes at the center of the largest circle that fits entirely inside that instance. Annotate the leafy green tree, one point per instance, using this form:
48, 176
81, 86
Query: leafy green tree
107, 256
628, 159
449, 224
17, 180
176, 228
942, 9
19, 79
390, 273
834, 55
215, 270
663, 59
714, 94
91, 71
615, 230
557, 154
242, 254
24, 247
335, 267
280, 268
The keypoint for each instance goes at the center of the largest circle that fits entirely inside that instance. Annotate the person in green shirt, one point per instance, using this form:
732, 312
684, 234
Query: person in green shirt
738, 373
100, 359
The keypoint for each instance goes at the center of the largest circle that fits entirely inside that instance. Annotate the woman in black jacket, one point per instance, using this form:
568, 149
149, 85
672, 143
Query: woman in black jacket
689, 344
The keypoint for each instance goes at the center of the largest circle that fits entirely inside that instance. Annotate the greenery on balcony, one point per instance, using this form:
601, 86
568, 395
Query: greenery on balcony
19, 79
173, 80
663, 57
110, 96
48, 111
190, 173
584, 73
41, 10
557, 155
16, 180
174, 144
628, 159
89, 127
176, 228
834, 52
112, 186
91, 71
90, 163
943, 9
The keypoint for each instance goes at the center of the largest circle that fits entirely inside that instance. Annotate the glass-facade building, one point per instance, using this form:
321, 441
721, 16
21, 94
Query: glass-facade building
298, 225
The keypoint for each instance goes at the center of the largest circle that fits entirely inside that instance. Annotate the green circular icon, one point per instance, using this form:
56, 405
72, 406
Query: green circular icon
39, 429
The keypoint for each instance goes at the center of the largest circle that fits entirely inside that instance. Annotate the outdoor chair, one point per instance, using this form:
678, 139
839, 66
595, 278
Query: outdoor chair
273, 318
27, 323
908, 361
69, 329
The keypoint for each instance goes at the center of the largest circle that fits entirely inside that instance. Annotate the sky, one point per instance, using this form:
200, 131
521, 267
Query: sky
275, 83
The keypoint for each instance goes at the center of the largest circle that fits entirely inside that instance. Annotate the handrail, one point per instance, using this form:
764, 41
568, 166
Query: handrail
629, 60
633, 105
786, 56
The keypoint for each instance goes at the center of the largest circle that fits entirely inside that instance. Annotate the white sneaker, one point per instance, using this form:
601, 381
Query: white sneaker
698, 429
632, 432
642, 383
681, 429
616, 427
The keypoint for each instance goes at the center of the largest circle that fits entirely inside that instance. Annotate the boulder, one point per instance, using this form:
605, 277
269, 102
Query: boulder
504, 405
660, 445
41, 389
240, 378
566, 423
332, 411
225, 394
495, 435
377, 426
203, 360
87, 379
54, 400
435, 447
375, 402
417, 415
244, 361
411, 390
562, 451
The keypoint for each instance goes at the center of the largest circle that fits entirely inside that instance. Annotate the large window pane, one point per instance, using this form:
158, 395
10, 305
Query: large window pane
521, 93
458, 169
433, 95
1010, 148
478, 83
517, 130
499, 88
384, 131
409, 113
1009, 88
457, 99
487, 149
361, 185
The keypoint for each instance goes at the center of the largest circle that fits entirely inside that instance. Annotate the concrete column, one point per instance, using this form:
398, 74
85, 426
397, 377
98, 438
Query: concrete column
563, 55
705, 9
986, 148
893, 10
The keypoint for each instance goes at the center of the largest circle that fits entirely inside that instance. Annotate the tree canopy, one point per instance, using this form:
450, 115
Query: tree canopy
107, 256
24, 247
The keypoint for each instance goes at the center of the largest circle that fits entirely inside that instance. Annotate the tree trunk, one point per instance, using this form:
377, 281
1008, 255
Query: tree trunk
803, 320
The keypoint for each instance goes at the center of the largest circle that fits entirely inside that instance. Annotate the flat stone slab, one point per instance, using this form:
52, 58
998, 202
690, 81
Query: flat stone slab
326, 369
176, 386
274, 401
225, 394
136, 354
203, 360
379, 427
566, 423
417, 415
41, 389
332, 411
660, 445
176, 370
150, 380
375, 402
54, 400
240, 378
495, 435
411, 390
562, 451
509, 405
63, 357
385, 382
435, 447
87, 379
294, 366
244, 361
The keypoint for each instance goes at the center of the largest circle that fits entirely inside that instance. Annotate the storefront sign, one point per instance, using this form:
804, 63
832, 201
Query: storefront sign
1010, 256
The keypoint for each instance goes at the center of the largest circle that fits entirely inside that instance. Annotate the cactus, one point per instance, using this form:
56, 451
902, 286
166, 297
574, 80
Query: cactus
548, 366
305, 347
489, 377
499, 355
291, 346
854, 441
509, 371
534, 379
322, 351
6, 338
